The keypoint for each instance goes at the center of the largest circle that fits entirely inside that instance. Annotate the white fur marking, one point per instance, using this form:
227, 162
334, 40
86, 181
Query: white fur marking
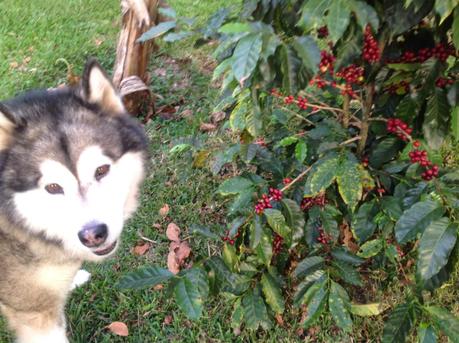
81, 277
54, 335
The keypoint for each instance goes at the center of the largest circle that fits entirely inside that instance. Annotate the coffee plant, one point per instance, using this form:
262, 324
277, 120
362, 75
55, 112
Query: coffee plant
338, 110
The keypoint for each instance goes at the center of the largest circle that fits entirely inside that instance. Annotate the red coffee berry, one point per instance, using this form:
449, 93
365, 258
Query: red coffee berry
287, 180
322, 32
416, 144
371, 52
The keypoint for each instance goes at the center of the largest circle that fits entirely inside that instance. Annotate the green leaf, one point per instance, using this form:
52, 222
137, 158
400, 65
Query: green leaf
145, 277
203, 231
168, 12
229, 256
308, 281
455, 28
190, 291
316, 298
426, 334
398, 326
343, 255
323, 174
391, 206
272, 293
294, 217
312, 13
241, 202
288, 141
338, 304
347, 273
363, 224
415, 219
309, 52
435, 247
255, 312
455, 122
338, 19
256, 232
238, 314
366, 310
157, 31
365, 14
276, 221
435, 126
370, 248
301, 150
406, 108
245, 56
237, 116
308, 265
235, 27
264, 249
254, 123
290, 67
444, 321
350, 183
176, 36
385, 150
444, 8
234, 185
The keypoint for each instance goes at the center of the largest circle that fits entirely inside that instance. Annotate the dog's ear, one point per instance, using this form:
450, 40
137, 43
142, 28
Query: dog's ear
99, 90
7, 126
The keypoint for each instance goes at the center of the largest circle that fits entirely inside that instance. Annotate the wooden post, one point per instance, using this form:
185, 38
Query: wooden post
130, 70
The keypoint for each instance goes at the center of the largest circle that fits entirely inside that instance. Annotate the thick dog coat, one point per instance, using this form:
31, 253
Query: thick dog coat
71, 164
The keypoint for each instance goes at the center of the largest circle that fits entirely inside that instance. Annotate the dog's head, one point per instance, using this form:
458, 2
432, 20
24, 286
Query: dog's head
71, 163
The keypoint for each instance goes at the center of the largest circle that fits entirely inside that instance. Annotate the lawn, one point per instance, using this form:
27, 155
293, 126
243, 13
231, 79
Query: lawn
34, 35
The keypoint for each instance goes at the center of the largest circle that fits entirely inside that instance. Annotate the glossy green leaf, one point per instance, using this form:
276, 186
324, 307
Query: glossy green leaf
276, 221
444, 321
145, 277
176, 36
308, 281
338, 304
309, 52
426, 334
301, 150
347, 273
397, 327
237, 316
435, 247
237, 116
256, 232
272, 293
365, 14
294, 217
316, 298
157, 31
264, 249
455, 122
363, 224
370, 248
255, 312
245, 56
313, 12
435, 126
290, 66
338, 19
234, 185
229, 256
455, 28
415, 219
190, 291
288, 141
344, 255
324, 173
235, 27
203, 231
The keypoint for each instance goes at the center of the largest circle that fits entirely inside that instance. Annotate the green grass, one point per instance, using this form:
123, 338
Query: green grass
69, 29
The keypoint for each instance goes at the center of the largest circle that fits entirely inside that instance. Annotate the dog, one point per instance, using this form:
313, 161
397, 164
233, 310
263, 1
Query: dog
72, 162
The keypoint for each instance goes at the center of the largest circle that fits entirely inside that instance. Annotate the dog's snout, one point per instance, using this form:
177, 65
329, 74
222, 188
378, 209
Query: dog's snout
93, 234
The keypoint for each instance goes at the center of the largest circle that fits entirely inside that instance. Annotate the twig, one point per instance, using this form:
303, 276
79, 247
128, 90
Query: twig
298, 178
353, 139
297, 115
147, 239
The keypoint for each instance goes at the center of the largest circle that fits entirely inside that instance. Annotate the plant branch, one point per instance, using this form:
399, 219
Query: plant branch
298, 178
367, 103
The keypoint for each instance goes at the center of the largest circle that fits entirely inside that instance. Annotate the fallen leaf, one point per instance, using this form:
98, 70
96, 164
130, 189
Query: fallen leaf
173, 232
172, 264
183, 252
160, 72
174, 246
217, 116
158, 287
206, 127
168, 320
118, 328
279, 319
186, 113
163, 211
98, 42
348, 238
157, 226
142, 248
14, 65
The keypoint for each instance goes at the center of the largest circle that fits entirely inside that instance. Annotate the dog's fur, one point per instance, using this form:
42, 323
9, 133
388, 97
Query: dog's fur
61, 137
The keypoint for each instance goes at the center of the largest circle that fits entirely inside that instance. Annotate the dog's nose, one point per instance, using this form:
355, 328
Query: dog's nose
93, 234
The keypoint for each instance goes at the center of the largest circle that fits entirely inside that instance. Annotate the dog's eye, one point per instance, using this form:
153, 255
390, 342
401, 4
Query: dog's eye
102, 171
54, 188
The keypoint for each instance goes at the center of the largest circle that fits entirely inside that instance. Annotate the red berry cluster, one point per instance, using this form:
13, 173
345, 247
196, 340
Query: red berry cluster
277, 243
318, 81
399, 128
440, 51
420, 156
365, 161
261, 142
400, 252
289, 99
371, 52
302, 103
322, 32
443, 82
287, 181
228, 239
326, 61
323, 237
307, 203
351, 74
265, 201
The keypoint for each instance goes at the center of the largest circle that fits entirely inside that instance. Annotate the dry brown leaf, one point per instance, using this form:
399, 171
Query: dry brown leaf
98, 41
183, 252
172, 264
348, 238
118, 328
279, 319
218, 116
141, 248
157, 226
163, 211
14, 65
158, 287
186, 113
173, 232
168, 320
206, 127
